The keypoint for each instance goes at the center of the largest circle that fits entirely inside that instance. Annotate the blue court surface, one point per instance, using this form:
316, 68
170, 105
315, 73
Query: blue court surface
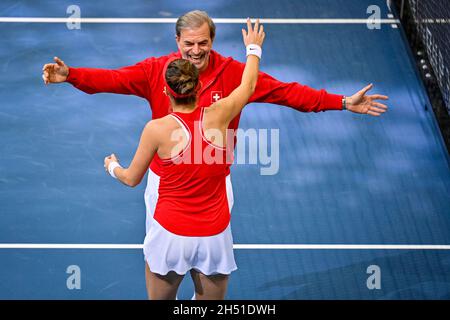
352, 192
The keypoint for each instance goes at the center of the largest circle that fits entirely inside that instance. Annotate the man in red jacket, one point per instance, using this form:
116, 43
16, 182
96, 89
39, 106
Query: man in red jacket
219, 76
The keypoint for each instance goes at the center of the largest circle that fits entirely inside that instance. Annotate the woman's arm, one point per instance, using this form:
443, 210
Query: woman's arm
229, 107
145, 152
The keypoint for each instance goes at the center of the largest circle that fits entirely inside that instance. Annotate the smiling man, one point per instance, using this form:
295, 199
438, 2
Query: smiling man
219, 76
194, 39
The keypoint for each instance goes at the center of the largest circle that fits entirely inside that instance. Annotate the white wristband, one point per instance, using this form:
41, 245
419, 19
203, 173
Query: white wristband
111, 167
254, 49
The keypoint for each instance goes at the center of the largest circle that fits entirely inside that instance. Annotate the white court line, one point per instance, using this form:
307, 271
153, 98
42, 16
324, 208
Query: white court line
173, 20
236, 246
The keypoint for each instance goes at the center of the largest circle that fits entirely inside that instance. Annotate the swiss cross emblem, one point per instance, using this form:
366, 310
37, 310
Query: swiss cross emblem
216, 96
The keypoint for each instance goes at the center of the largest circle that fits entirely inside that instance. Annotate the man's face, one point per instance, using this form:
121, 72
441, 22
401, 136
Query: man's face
195, 45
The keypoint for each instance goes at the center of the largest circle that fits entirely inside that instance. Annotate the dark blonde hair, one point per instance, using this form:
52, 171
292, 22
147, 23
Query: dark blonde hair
182, 77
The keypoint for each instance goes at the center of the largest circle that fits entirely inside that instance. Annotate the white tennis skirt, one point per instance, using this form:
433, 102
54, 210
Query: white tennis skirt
165, 251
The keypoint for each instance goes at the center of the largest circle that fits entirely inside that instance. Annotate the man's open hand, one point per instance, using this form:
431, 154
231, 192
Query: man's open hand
55, 72
363, 103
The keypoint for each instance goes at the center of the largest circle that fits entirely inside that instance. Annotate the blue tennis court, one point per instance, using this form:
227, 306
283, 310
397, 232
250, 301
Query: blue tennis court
351, 191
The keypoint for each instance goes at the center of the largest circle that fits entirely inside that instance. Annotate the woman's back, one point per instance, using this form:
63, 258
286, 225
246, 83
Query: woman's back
192, 192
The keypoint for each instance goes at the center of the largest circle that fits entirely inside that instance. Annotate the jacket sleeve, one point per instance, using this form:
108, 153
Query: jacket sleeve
131, 80
294, 95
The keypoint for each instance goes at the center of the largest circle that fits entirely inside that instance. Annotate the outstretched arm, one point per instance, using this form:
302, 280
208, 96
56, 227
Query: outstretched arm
305, 99
294, 95
145, 152
231, 106
128, 80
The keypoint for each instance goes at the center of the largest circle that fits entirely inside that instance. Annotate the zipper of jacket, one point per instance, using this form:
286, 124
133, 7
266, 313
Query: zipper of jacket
214, 76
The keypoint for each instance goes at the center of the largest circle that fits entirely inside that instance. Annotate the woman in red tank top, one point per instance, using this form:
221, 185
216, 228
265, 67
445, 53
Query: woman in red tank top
191, 225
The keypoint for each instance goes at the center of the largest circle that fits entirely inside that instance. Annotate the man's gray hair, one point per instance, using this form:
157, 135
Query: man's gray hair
195, 19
